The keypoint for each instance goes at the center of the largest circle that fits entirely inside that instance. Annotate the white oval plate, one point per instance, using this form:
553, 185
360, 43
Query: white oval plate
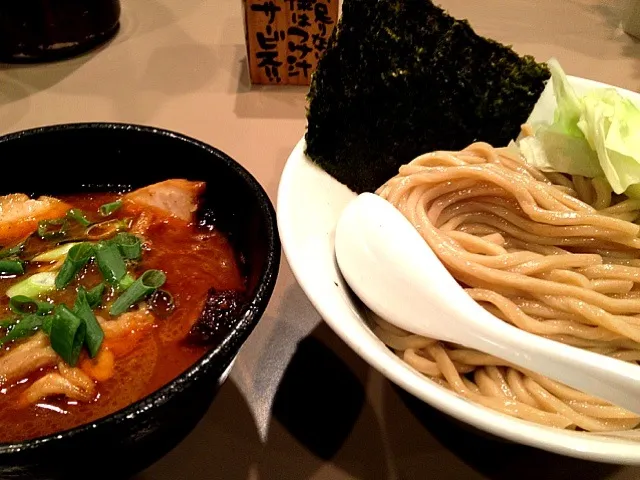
309, 204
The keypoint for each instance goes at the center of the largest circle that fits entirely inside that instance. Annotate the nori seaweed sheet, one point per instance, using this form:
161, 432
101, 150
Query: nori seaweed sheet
401, 78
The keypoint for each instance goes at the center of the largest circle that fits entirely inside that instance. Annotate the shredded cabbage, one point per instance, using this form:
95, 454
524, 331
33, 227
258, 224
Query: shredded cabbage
593, 135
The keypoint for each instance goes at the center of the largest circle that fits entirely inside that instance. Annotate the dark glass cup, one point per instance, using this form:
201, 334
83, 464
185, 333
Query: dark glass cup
45, 30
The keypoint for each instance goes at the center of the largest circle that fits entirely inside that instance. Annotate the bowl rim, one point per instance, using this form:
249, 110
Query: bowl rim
236, 336
302, 175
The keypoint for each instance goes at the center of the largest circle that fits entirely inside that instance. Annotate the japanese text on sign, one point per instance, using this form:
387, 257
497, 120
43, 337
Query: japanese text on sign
287, 37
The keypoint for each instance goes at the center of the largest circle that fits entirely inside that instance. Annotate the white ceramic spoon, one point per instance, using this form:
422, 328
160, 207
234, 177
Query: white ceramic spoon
393, 271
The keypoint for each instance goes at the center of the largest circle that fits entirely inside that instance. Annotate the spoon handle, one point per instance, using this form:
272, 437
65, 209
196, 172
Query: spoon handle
449, 313
607, 378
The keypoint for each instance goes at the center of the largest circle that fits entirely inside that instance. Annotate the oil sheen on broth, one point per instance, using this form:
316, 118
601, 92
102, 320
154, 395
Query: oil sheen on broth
143, 348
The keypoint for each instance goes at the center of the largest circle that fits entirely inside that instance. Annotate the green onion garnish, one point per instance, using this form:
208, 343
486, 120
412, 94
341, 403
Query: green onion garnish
10, 266
9, 322
54, 254
67, 334
79, 216
25, 327
145, 285
77, 258
94, 335
100, 231
109, 208
12, 251
36, 284
126, 282
24, 305
94, 296
46, 324
52, 229
110, 262
130, 246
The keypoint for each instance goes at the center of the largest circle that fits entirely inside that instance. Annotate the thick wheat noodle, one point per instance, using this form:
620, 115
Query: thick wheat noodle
562, 181
515, 244
566, 236
628, 205
566, 276
594, 345
475, 244
545, 252
542, 311
583, 189
602, 191
621, 261
509, 406
450, 255
452, 214
513, 314
612, 271
407, 342
556, 264
532, 195
471, 190
544, 193
604, 285
616, 257
626, 355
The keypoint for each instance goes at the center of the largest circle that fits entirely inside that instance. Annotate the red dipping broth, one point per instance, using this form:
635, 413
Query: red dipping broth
195, 258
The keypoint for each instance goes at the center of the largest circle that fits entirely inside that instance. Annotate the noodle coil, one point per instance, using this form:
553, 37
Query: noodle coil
554, 255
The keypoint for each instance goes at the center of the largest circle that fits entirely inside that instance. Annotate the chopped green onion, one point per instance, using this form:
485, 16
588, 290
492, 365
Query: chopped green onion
11, 251
110, 262
94, 334
25, 305
94, 296
67, 334
36, 284
145, 285
46, 324
53, 229
109, 208
77, 258
25, 327
100, 231
79, 216
55, 254
9, 322
130, 246
126, 281
11, 267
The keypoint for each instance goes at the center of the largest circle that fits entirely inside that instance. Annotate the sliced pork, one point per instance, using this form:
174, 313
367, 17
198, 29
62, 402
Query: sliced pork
26, 358
73, 383
20, 214
177, 198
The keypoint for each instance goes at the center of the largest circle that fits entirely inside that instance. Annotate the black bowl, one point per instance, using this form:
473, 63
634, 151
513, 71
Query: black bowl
83, 157
45, 30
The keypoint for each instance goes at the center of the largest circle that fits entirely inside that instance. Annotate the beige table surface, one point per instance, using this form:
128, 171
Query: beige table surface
180, 64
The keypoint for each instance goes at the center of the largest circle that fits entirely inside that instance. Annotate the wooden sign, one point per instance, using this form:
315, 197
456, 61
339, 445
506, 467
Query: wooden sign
285, 38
